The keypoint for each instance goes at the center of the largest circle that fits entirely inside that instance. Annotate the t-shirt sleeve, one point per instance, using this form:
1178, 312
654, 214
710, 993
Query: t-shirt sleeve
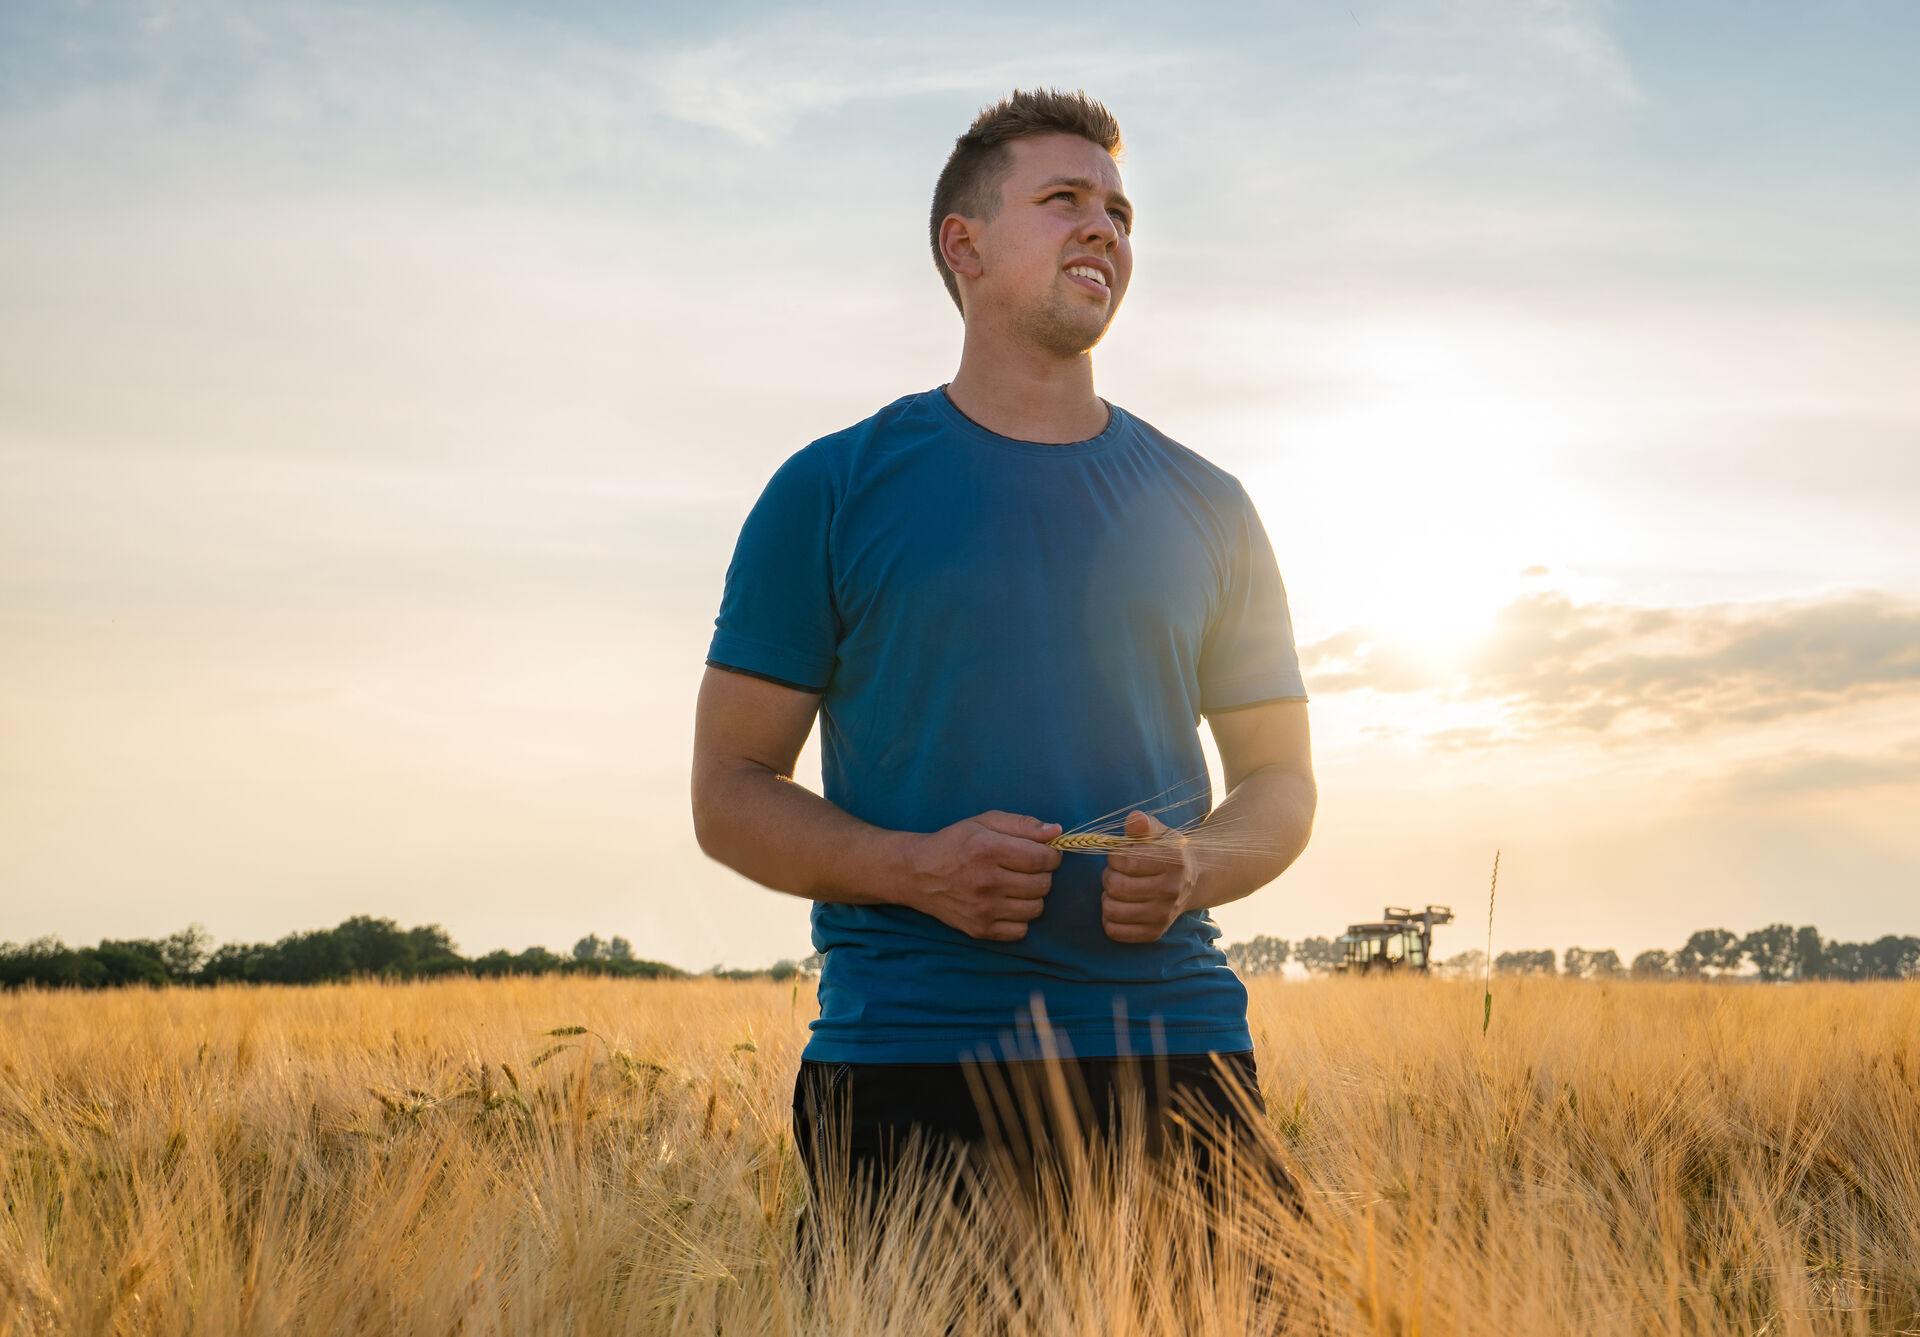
1248, 654
777, 615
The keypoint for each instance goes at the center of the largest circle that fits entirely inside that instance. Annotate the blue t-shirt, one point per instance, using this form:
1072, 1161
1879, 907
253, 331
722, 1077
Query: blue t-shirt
996, 623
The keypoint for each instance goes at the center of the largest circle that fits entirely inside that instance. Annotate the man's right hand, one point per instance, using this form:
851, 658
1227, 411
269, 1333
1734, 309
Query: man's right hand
987, 876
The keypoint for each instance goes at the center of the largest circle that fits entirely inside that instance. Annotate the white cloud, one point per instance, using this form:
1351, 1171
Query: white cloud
1590, 668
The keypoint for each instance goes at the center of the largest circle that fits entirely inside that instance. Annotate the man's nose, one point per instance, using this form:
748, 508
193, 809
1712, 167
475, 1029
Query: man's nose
1100, 227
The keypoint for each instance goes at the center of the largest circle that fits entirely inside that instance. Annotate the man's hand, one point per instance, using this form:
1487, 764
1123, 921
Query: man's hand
986, 876
1144, 889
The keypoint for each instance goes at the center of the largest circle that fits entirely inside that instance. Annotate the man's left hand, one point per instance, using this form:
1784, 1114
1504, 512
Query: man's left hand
1146, 887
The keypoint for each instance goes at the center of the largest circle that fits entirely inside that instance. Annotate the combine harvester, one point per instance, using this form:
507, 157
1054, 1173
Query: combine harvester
1402, 940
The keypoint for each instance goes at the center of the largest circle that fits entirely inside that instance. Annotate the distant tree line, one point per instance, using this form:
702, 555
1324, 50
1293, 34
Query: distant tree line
364, 945
1269, 956
1777, 952
1783, 952
360, 946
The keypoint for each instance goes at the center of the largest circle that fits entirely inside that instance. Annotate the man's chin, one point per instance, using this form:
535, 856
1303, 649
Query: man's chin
1063, 335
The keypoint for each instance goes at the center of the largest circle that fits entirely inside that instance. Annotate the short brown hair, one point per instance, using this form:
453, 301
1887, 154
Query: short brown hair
970, 182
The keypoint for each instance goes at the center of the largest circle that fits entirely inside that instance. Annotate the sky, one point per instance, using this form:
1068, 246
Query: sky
382, 388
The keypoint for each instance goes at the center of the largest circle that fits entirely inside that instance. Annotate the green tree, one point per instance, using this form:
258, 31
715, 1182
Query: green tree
375, 947
1771, 949
1843, 961
1714, 948
1260, 955
533, 961
1652, 964
185, 953
1524, 963
236, 962
306, 958
49, 961
433, 943
1893, 958
1318, 955
121, 948
1809, 954
126, 963
595, 948
1577, 963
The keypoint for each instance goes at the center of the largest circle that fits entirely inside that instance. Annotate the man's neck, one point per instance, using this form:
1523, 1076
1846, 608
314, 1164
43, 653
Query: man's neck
1027, 395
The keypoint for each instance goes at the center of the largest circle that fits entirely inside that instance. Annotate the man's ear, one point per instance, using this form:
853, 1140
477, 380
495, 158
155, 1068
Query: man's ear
959, 245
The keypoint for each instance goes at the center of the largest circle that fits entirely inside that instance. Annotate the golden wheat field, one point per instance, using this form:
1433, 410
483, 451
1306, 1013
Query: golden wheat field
1610, 1158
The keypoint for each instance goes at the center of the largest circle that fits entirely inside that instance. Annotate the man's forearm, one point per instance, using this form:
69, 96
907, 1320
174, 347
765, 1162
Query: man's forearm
1271, 813
785, 836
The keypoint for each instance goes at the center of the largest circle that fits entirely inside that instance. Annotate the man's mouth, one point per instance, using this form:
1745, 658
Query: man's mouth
1089, 273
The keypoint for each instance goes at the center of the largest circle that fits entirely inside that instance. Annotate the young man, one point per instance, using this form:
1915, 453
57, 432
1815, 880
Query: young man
1009, 603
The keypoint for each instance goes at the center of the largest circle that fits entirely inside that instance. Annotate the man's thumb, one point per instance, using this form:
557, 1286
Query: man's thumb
1140, 825
1015, 824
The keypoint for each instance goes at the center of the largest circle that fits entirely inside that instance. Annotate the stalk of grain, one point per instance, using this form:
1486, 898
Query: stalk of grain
1486, 1013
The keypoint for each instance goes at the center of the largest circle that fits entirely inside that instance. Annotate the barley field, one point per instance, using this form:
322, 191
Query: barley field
1621, 1157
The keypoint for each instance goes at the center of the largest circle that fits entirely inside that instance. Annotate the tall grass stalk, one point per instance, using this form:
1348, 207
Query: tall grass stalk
1486, 982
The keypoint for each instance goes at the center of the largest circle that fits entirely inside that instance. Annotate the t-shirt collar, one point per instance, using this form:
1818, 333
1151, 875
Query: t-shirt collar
943, 405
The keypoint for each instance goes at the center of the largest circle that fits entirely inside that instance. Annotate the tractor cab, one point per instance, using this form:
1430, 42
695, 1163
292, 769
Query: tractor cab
1401, 939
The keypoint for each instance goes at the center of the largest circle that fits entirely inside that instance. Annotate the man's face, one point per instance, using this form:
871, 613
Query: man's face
1056, 259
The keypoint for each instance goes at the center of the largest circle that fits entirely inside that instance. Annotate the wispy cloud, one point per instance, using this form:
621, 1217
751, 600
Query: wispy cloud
1500, 63
397, 81
1811, 773
1508, 61
756, 85
1564, 667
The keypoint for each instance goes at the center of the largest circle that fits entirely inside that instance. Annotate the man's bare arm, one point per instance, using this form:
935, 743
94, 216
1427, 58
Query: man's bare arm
986, 876
1271, 796
1269, 807
750, 814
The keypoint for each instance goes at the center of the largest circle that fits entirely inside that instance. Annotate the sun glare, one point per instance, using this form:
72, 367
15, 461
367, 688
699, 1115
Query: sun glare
1412, 498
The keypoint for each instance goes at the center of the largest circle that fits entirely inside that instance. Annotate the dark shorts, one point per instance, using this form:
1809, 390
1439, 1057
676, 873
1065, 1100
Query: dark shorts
854, 1123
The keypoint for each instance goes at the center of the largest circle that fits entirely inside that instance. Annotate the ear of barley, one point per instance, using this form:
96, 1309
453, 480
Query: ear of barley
1204, 837
1090, 841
